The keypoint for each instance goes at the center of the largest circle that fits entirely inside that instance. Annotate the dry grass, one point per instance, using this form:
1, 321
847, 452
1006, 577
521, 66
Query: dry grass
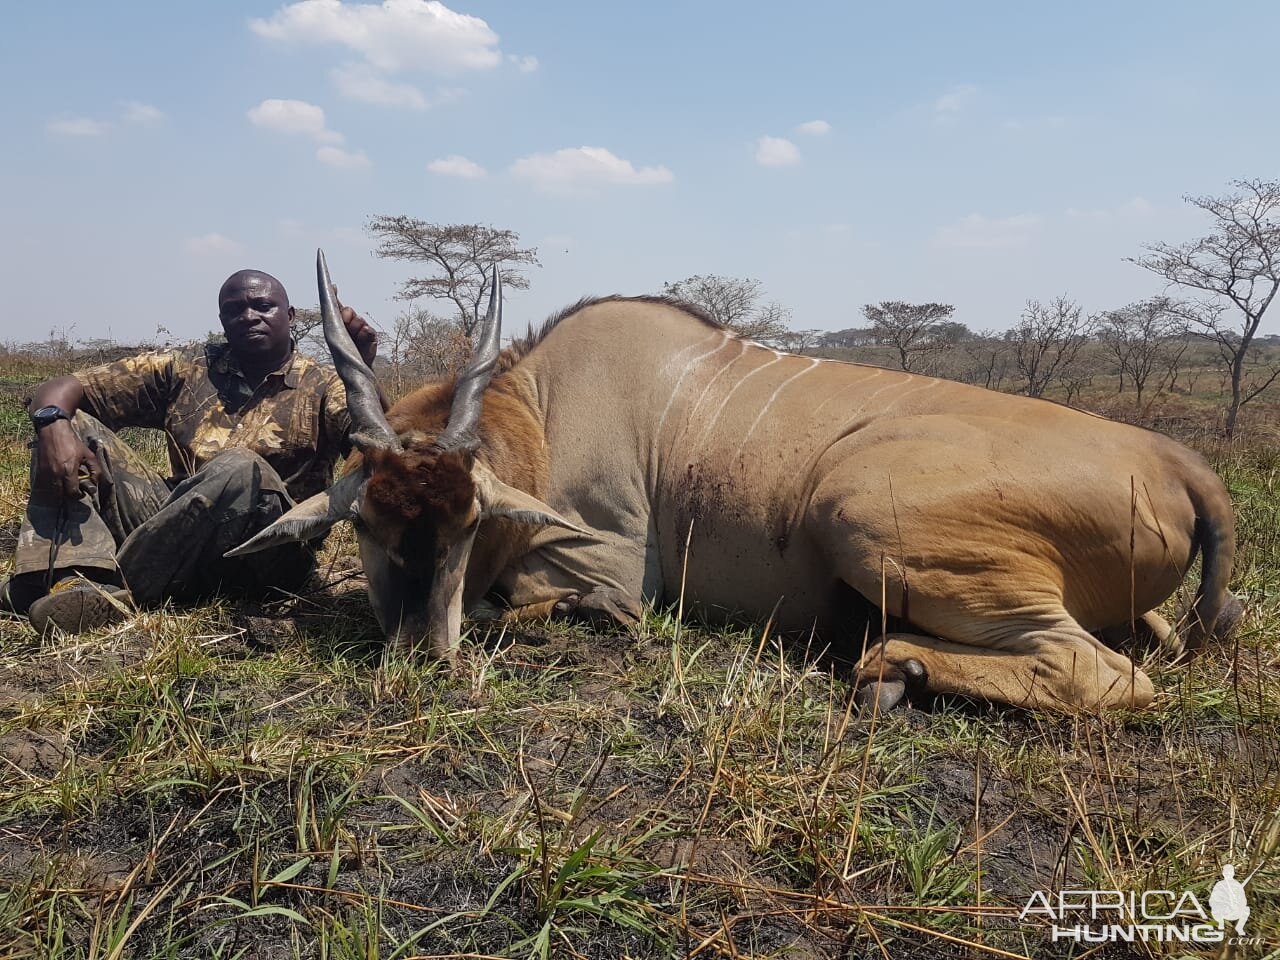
250, 782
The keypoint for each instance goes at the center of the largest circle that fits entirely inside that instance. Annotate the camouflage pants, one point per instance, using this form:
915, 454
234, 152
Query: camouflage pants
162, 542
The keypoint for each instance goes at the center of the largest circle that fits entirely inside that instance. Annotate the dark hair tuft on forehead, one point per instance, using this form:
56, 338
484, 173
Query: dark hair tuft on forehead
431, 484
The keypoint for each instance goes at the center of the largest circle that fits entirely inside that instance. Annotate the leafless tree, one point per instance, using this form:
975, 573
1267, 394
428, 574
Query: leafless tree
306, 331
984, 359
799, 341
1047, 342
1076, 377
735, 302
770, 324
1145, 339
422, 347
916, 331
1237, 267
461, 256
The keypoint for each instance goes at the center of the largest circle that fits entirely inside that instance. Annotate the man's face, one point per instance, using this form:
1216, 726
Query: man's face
255, 314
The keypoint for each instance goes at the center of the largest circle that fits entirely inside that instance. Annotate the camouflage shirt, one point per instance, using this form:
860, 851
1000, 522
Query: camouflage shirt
296, 419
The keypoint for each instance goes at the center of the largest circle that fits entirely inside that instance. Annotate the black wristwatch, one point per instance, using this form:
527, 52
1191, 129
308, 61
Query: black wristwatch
47, 415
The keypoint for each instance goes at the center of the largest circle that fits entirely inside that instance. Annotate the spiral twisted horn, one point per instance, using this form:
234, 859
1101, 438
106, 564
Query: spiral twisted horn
369, 427
464, 415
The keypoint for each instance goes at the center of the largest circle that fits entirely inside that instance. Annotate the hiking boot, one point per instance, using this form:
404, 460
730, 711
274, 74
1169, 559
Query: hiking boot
76, 604
19, 592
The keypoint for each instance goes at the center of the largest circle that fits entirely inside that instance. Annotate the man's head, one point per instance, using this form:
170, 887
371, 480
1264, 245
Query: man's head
1228, 871
255, 314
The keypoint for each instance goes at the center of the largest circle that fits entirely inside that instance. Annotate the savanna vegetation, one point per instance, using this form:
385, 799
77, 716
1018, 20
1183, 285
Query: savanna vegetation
255, 781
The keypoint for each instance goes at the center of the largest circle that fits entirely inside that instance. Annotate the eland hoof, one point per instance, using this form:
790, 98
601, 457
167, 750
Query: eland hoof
887, 690
566, 606
888, 693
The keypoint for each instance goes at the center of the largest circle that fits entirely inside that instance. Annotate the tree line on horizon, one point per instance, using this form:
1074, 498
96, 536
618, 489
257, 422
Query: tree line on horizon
1218, 289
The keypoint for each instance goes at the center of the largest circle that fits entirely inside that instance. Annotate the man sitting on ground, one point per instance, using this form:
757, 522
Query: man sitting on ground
252, 426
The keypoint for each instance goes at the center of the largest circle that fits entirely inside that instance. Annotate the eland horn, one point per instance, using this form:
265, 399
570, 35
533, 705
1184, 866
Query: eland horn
465, 412
369, 427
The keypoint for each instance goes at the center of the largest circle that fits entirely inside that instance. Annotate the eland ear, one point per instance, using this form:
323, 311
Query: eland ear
498, 499
312, 518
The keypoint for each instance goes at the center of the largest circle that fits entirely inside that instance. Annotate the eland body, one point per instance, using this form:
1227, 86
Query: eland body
634, 450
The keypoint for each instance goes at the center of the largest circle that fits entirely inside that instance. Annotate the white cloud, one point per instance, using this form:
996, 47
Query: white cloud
576, 167
359, 81
393, 35
955, 100
142, 114
976, 232
456, 166
342, 159
814, 128
293, 116
776, 152
300, 117
78, 127
132, 113
524, 64
211, 244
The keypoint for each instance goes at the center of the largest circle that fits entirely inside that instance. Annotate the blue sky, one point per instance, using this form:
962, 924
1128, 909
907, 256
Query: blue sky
980, 154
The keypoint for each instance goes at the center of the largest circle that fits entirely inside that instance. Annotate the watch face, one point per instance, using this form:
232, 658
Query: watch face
47, 415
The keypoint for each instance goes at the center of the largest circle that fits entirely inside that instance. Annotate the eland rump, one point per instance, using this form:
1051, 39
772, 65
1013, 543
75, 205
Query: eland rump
632, 449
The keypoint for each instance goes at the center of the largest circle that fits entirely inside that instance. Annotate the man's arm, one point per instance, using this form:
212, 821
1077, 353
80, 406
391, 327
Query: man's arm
60, 453
366, 341
363, 335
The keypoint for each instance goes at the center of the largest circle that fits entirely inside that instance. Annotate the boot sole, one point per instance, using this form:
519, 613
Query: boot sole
76, 610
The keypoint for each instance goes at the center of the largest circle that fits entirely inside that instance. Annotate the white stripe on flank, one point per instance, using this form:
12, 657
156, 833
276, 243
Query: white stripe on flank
874, 393
724, 339
768, 403
693, 411
847, 386
706, 432
677, 358
929, 385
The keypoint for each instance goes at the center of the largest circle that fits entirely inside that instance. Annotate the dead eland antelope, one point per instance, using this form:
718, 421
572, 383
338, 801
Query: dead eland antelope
632, 445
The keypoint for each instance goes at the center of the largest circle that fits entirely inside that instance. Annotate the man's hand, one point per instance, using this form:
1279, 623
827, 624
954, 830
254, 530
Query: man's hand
60, 453
366, 340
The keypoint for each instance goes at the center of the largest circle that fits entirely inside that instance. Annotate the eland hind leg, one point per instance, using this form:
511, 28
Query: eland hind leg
1041, 663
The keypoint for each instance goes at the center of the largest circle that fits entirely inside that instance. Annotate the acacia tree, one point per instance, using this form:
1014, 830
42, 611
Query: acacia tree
1145, 339
1237, 268
461, 257
917, 331
1047, 343
736, 303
